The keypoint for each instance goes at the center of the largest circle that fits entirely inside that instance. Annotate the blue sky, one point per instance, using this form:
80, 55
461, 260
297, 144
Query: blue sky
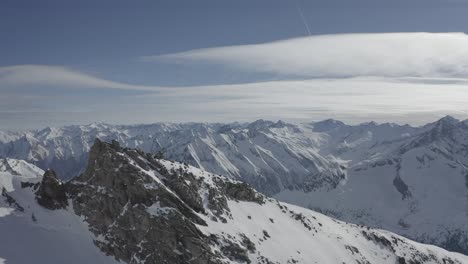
65, 62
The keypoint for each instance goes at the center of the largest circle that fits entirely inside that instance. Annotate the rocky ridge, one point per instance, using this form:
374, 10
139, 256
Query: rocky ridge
385, 176
142, 209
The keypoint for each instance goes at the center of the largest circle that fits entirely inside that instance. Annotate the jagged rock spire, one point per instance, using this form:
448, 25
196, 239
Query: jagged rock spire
51, 193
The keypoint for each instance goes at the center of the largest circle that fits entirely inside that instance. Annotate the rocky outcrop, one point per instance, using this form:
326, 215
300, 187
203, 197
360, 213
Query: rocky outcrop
134, 213
141, 209
133, 204
402, 188
241, 192
51, 193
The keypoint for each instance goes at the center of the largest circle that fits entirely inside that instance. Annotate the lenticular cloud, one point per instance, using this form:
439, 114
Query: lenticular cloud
344, 55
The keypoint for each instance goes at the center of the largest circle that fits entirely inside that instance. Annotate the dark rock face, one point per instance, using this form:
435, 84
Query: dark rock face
466, 180
133, 213
177, 182
402, 188
242, 192
51, 193
234, 252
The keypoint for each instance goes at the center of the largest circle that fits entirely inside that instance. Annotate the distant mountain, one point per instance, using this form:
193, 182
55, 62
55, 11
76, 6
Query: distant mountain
132, 207
409, 180
270, 156
415, 185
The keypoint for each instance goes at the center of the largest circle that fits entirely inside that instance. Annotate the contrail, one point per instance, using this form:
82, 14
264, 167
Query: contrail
303, 19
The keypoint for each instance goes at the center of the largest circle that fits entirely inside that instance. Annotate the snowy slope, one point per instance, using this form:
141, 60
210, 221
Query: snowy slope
415, 186
410, 180
285, 233
271, 156
30, 233
179, 214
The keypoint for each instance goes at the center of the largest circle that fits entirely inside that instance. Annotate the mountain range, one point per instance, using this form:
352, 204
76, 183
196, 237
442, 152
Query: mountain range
128, 206
409, 180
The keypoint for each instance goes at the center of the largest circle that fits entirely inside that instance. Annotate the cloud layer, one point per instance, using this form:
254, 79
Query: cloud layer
417, 77
343, 55
415, 101
34, 75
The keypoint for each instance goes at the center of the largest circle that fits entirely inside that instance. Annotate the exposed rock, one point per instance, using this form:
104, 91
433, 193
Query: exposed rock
235, 252
217, 203
242, 192
402, 188
179, 181
247, 243
144, 210
51, 193
135, 213
466, 180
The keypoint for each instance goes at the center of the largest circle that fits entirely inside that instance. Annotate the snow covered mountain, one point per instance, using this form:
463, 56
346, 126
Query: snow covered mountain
131, 207
30, 233
415, 185
270, 156
409, 180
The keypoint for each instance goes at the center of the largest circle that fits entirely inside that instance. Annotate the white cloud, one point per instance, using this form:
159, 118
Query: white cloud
30, 75
353, 100
344, 55
414, 100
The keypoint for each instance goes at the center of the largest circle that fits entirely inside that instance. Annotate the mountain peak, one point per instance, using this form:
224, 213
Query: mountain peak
447, 120
327, 125
370, 123
442, 127
260, 124
282, 124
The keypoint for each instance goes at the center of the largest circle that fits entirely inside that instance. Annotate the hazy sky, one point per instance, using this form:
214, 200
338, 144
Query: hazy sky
65, 62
